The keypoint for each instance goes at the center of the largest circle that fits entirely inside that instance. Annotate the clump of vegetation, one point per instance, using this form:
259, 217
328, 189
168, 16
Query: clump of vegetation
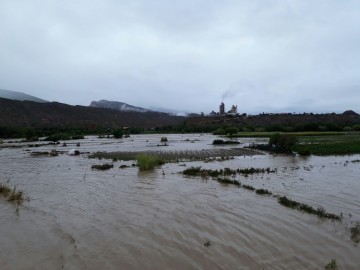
331, 265
320, 212
102, 167
12, 194
163, 139
248, 187
220, 142
147, 162
207, 243
252, 170
355, 233
192, 171
304, 152
229, 181
197, 171
263, 192
4, 190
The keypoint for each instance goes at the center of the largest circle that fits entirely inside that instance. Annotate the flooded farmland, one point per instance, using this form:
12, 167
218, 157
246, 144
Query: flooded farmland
123, 218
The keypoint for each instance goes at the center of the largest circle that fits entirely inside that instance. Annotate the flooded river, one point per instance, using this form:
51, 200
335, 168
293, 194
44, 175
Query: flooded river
79, 218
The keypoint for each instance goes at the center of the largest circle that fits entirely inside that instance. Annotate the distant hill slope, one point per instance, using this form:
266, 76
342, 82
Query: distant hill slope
19, 96
116, 105
26, 113
286, 120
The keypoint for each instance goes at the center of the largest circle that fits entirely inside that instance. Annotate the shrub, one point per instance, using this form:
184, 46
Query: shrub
163, 139
231, 130
219, 131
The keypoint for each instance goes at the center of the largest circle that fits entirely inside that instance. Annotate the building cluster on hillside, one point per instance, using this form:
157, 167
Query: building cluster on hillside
222, 111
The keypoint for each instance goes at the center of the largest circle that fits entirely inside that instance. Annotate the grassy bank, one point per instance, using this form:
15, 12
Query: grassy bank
315, 143
299, 134
329, 145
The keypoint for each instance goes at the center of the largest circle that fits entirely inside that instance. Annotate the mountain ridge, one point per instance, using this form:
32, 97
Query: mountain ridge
117, 105
14, 113
15, 95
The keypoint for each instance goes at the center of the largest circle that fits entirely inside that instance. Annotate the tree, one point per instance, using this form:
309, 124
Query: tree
231, 130
282, 142
29, 133
118, 133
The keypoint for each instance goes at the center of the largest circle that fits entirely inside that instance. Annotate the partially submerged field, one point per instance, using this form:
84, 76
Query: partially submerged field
316, 143
257, 211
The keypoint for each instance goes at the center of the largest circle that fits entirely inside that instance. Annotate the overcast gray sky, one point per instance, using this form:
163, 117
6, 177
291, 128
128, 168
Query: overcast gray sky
263, 55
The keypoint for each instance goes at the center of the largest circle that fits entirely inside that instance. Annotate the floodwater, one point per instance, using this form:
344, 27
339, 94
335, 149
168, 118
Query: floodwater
79, 218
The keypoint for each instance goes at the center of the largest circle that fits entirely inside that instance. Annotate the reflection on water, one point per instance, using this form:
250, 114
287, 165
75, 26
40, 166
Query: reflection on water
80, 218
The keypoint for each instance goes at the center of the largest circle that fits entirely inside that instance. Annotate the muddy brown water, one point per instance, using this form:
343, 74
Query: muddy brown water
78, 218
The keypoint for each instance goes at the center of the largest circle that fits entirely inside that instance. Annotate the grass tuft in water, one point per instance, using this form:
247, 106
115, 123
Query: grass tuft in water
248, 187
331, 265
192, 171
263, 192
4, 190
229, 181
147, 162
355, 233
12, 194
102, 167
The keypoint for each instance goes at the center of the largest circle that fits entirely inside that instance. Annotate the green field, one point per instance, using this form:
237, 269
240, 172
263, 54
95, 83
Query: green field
299, 134
329, 145
317, 143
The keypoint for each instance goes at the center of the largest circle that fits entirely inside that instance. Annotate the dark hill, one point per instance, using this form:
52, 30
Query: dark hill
266, 120
26, 113
350, 112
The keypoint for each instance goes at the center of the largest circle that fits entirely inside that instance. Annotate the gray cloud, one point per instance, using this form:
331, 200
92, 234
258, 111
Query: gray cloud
273, 55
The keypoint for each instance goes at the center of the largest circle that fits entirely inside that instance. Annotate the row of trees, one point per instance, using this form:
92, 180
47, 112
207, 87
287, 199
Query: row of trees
280, 128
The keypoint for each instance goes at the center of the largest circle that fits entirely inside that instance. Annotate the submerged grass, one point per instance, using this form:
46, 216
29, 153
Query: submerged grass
283, 200
197, 171
221, 142
102, 167
262, 191
229, 181
331, 265
248, 187
320, 212
355, 233
12, 194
